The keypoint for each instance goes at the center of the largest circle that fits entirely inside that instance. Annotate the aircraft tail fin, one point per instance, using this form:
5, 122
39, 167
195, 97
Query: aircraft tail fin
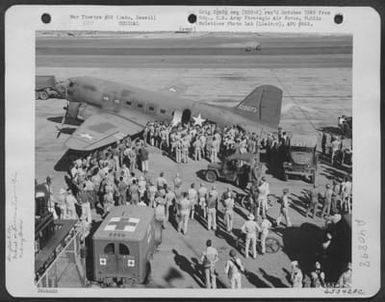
262, 105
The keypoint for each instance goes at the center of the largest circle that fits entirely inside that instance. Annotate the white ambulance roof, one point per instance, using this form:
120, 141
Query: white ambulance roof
125, 223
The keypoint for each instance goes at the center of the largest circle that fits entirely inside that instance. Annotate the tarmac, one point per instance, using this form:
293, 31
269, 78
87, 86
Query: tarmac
316, 91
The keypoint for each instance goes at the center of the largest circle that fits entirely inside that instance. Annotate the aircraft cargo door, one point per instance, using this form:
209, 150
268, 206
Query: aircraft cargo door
106, 262
126, 260
176, 117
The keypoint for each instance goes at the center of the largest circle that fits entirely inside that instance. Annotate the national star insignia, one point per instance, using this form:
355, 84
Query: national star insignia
86, 135
198, 120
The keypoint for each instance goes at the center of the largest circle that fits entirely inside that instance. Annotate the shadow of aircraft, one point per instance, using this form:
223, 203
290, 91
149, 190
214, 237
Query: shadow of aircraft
68, 121
64, 163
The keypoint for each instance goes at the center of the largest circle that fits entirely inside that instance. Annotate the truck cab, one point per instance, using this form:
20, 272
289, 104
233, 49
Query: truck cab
301, 157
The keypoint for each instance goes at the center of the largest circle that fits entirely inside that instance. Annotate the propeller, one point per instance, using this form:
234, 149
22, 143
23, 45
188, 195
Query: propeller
60, 129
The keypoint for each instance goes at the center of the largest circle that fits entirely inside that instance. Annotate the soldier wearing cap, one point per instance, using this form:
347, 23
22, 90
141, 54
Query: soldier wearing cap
264, 191
313, 204
209, 258
184, 212
284, 200
265, 226
233, 269
212, 202
202, 194
228, 204
251, 228
327, 201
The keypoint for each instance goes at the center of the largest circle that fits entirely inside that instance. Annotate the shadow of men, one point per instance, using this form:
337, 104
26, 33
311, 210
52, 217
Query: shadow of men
277, 282
185, 265
255, 280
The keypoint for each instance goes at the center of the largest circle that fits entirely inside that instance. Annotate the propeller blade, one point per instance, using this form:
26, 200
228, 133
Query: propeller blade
59, 129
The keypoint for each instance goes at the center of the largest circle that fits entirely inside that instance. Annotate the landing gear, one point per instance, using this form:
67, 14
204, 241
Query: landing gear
211, 176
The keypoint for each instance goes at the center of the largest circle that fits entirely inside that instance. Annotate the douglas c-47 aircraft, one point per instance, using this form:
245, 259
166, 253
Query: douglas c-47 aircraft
119, 110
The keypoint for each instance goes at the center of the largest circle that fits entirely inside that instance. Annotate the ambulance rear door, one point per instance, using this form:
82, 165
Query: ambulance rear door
106, 263
127, 258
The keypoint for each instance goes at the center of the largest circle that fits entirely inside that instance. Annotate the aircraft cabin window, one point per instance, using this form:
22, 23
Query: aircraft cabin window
163, 111
140, 105
109, 249
129, 103
151, 108
123, 249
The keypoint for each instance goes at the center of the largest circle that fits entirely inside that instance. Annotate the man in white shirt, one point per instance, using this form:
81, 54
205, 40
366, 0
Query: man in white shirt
264, 191
233, 269
208, 259
250, 228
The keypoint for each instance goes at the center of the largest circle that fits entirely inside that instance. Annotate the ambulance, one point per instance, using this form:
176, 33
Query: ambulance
123, 246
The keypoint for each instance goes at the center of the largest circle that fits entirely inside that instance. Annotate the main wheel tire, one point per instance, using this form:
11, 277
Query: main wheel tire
211, 176
285, 176
37, 95
272, 245
43, 95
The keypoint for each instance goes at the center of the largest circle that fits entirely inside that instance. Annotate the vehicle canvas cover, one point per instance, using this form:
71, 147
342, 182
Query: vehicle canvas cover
45, 82
304, 157
126, 223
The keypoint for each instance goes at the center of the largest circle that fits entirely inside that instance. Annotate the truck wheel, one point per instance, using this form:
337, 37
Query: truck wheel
211, 176
43, 95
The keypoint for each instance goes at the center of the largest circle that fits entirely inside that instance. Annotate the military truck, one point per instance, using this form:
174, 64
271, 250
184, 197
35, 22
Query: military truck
234, 169
123, 246
301, 158
46, 87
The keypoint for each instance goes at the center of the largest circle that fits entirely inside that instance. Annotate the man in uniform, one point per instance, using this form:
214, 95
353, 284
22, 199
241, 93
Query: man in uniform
161, 181
264, 191
212, 201
209, 258
284, 208
313, 204
327, 201
233, 269
250, 228
265, 226
197, 149
202, 194
177, 181
170, 201
193, 198
178, 151
228, 204
184, 210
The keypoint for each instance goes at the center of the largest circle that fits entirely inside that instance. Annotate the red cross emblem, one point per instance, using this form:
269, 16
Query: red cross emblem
127, 224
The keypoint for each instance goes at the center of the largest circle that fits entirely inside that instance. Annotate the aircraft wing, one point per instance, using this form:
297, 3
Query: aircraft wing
102, 129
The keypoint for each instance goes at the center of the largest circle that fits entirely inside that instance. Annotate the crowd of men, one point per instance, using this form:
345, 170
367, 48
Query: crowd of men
118, 175
337, 148
208, 141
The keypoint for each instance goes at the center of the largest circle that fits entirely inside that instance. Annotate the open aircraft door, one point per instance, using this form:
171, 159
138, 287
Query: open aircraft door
177, 117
